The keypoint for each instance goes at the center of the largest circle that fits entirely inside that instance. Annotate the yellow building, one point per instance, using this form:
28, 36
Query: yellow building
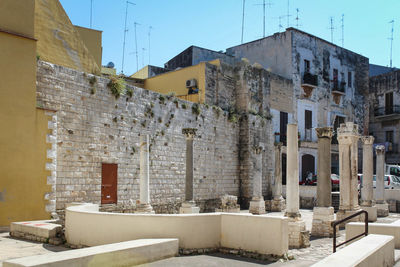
23, 178
186, 83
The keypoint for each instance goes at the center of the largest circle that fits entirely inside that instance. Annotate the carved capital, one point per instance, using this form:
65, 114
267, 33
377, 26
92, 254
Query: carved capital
257, 149
324, 132
348, 128
189, 132
367, 140
380, 150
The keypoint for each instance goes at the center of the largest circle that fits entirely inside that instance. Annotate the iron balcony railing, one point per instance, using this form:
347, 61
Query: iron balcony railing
338, 86
311, 79
389, 110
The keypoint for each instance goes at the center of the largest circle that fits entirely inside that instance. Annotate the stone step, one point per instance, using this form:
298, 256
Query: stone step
40, 229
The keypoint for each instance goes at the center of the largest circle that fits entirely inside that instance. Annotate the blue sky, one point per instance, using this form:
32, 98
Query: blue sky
216, 24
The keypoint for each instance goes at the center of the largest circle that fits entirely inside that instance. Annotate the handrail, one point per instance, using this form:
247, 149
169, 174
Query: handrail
335, 223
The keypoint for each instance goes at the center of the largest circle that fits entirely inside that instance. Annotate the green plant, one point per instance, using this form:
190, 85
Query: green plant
170, 95
252, 111
206, 106
37, 57
129, 92
171, 116
143, 123
184, 106
92, 80
196, 109
115, 119
92, 90
233, 117
117, 86
162, 133
217, 110
176, 102
152, 105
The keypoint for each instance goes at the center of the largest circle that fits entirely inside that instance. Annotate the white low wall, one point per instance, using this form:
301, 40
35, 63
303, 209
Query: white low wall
372, 250
392, 229
391, 194
304, 191
84, 225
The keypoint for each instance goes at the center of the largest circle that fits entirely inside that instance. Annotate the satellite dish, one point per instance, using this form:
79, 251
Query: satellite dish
110, 65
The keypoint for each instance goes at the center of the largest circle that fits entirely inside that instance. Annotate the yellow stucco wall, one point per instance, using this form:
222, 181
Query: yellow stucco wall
143, 73
92, 40
175, 82
23, 178
58, 40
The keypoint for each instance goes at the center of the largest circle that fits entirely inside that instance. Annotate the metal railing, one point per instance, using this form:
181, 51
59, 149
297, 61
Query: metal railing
389, 110
338, 86
309, 78
335, 223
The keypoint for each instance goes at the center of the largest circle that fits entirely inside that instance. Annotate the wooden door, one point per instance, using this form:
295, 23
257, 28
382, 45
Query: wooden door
109, 178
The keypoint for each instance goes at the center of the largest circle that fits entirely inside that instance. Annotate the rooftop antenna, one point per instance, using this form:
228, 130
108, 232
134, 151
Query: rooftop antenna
342, 30
297, 18
287, 14
280, 22
150, 28
264, 4
391, 42
91, 12
243, 20
143, 50
331, 28
137, 60
125, 31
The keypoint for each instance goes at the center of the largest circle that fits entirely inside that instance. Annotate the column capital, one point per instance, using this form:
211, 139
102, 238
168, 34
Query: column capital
324, 132
380, 150
278, 145
258, 149
367, 140
190, 133
348, 128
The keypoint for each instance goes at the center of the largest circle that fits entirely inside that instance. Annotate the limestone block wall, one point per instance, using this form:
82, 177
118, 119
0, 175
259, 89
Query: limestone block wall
94, 127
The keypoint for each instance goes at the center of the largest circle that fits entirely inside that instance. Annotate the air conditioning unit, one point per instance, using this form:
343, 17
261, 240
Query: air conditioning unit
191, 83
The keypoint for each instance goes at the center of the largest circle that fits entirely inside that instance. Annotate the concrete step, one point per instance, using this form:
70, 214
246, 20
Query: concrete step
39, 229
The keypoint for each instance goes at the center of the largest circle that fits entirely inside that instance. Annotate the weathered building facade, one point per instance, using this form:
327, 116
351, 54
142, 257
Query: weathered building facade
384, 113
329, 85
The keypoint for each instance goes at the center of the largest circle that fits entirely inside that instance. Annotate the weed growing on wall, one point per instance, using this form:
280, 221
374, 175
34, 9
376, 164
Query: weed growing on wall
196, 109
129, 92
117, 86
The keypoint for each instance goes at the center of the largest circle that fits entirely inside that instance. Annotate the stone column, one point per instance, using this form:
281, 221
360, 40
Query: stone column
367, 184
298, 235
189, 206
144, 203
323, 213
348, 156
257, 204
278, 202
382, 206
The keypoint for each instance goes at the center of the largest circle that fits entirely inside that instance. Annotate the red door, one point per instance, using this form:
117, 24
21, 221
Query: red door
109, 183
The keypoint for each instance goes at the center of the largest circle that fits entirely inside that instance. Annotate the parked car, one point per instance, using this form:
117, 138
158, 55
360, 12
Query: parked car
390, 181
393, 170
313, 181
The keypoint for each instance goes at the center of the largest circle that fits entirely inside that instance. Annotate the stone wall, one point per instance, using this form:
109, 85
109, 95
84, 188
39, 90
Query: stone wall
93, 127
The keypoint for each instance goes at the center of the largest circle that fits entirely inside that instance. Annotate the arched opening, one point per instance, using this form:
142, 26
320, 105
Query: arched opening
308, 165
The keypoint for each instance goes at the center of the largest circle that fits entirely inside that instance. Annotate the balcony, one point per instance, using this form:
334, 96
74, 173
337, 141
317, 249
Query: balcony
338, 87
308, 83
387, 111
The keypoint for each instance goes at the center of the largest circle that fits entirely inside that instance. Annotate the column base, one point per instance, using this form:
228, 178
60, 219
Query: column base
299, 237
322, 221
382, 209
341, 214
372, 212
189, 207
257, 206
277, 204
145, 209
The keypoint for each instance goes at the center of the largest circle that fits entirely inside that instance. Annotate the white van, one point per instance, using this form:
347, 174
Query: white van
392, 169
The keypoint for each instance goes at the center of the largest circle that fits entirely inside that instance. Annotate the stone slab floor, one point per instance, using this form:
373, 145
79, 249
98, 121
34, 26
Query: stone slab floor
11, 248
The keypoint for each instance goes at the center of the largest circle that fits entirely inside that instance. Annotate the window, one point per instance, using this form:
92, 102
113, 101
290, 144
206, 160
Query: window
283, 127
306, 66
335, 75
349, 80
389, 136
308, 119
388, 103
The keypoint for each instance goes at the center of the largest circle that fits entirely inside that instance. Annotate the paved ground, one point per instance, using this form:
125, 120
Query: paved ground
11, 248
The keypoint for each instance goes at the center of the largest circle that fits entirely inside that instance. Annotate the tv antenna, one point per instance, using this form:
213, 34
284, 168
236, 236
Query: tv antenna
332, 28
264, 4
125, 31
280, 22
297, 18
150, 28
91, 12
391, 42
137, 57
342, 20
244, 1
143, 51
288, 14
